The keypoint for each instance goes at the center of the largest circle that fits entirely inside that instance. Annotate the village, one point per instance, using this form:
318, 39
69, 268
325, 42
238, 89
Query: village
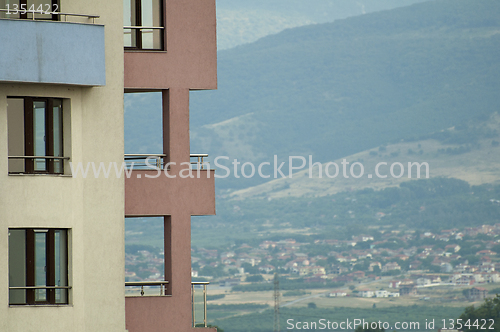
407, 261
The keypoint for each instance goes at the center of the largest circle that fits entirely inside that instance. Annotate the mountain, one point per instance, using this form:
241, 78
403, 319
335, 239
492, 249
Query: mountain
469, 152
241, 22
336, 89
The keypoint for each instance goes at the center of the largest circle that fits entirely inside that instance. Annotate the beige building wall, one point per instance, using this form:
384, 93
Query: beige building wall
92, 209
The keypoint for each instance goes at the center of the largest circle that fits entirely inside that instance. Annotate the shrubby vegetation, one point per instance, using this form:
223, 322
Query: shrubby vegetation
263, 321
296, 293
285, 285
238, 306
487, 316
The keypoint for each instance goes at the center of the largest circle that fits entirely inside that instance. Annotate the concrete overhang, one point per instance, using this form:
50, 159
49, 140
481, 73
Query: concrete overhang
52, 52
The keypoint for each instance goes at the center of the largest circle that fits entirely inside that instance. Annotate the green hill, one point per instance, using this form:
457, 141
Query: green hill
468, 152
240, 22
335, 89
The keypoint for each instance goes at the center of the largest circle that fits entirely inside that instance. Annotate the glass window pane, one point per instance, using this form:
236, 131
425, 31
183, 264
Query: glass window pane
129, 13
151, 13
15, 128
45, 5
129, 38
151, 39
39, 134
40, 264
151, 17
129, 19
3, 5
61, 265
58, 134
17, 265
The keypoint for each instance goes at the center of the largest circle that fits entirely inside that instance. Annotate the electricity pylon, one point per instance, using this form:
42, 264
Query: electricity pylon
276, 303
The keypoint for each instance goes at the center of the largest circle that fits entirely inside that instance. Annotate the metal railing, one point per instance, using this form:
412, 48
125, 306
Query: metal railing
40, 165
143, 27
199, 160
195, 303
145, 160
150, 160
40, 287
136, 34
33, 12
38, 157
149, 284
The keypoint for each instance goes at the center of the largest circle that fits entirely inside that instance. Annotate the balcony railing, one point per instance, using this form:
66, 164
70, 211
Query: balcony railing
157, 161
144, 161
198, 296
34, 18
199, 303
199, 162
39, 164
146, 288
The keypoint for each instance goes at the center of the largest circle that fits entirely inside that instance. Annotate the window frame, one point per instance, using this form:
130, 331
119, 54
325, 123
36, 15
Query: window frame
50, 268
137, 31
29, 139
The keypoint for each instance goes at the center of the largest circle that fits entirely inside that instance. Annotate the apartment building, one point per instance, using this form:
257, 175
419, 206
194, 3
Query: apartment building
64, 68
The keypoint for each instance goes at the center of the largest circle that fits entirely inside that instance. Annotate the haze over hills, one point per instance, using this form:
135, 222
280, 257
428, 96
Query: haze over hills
336, 89
469, 152
240, 22
412, 84
424, 75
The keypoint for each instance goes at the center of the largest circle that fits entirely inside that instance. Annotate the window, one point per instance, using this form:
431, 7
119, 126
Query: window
35, 134
143, 20
38, 266
17, 9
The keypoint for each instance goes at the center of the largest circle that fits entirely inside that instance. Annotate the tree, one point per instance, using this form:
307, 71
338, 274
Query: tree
490, 309
250, 269
255, 278
472, 259
312, 305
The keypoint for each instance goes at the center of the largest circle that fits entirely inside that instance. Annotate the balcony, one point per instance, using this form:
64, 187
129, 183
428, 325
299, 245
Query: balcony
148, 308
44, 51
154, 188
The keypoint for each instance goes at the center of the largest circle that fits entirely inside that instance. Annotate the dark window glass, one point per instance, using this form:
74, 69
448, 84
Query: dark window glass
35, 128
38, 266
